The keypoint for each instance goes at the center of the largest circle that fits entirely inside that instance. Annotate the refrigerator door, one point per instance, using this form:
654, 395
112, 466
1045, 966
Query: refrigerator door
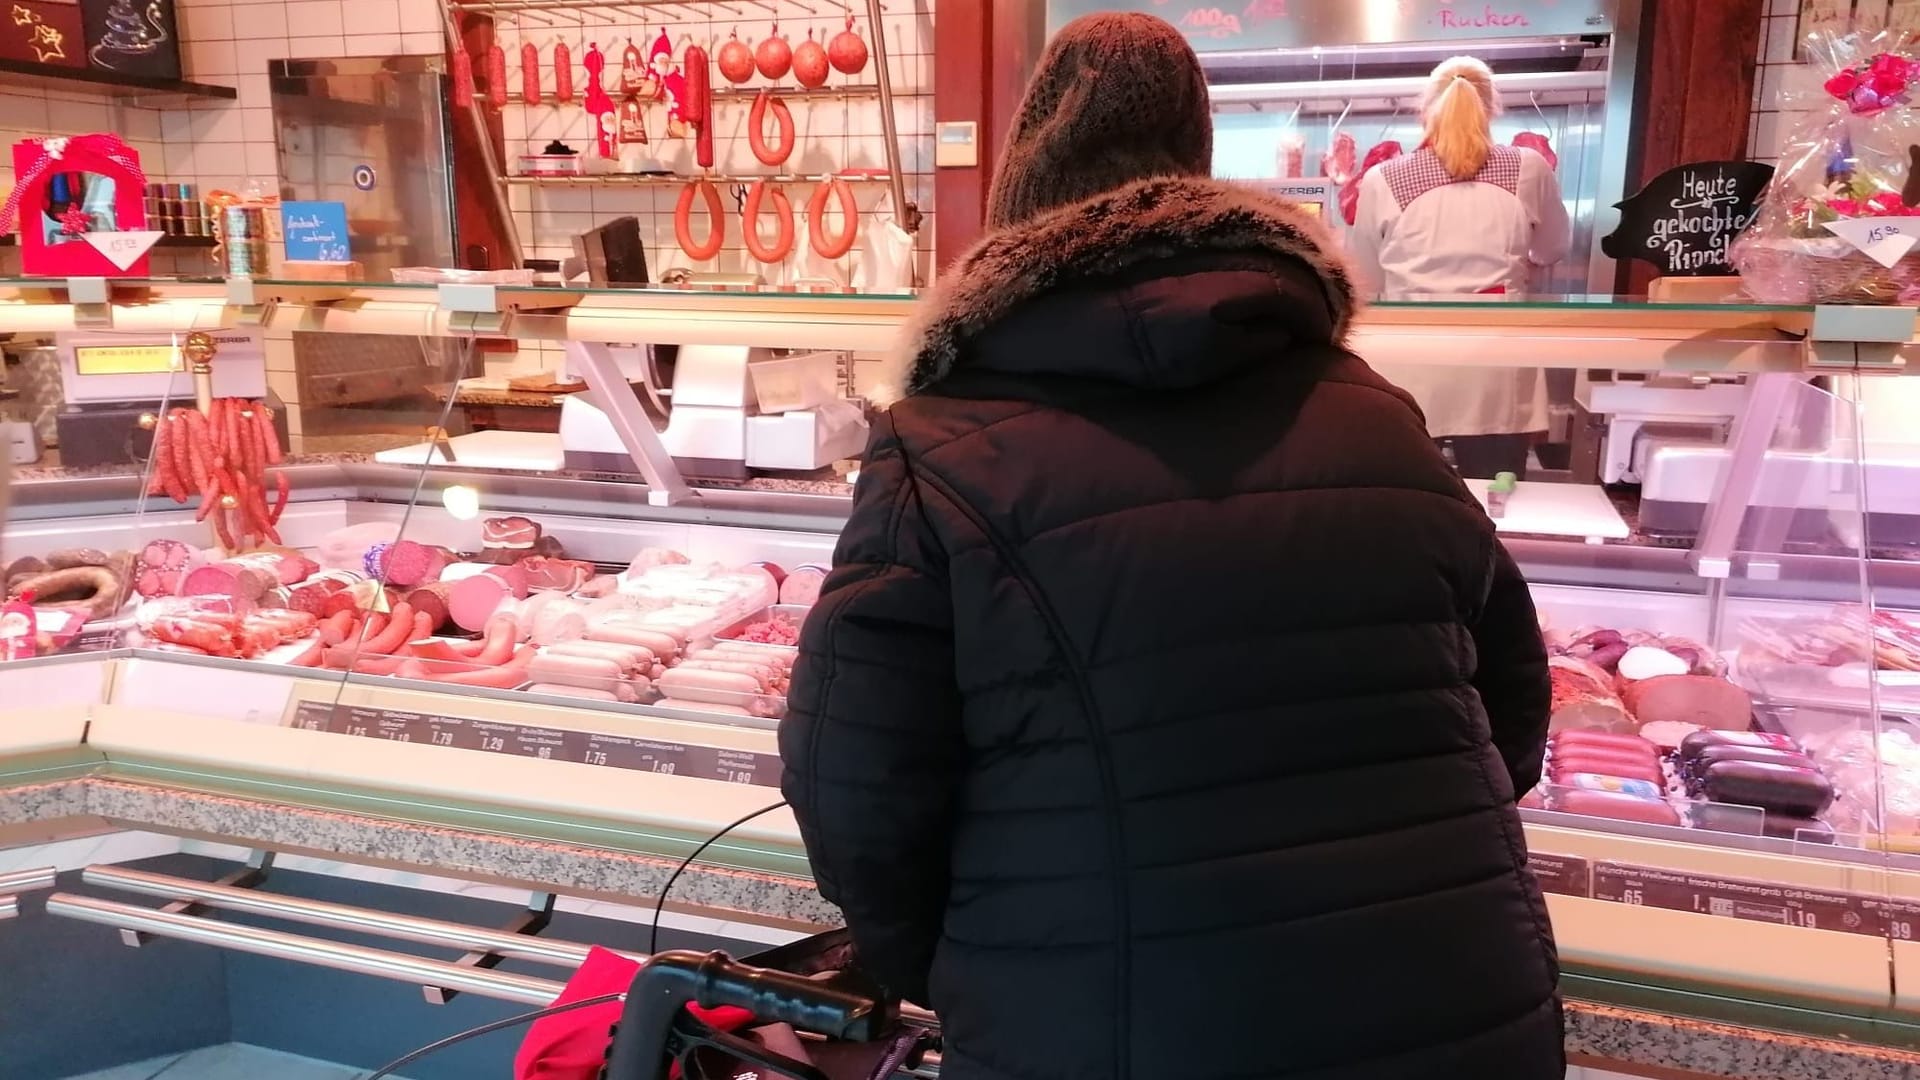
373, 133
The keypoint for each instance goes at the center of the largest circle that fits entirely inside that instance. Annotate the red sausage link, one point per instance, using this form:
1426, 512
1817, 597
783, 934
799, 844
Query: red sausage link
782, 244
683, 224
826, 245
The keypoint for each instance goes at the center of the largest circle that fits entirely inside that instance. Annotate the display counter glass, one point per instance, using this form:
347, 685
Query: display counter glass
582, 632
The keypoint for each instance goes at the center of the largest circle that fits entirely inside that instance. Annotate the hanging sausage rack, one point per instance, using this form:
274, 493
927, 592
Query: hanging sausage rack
601, 12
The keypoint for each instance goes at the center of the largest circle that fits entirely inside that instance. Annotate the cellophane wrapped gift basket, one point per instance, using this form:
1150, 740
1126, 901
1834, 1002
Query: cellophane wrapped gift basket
1837, 221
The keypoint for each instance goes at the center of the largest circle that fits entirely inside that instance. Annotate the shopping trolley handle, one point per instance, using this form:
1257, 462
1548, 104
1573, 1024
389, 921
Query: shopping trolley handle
645, 1040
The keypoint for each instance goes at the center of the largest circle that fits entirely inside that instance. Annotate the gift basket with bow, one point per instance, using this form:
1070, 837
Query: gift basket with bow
1839, 222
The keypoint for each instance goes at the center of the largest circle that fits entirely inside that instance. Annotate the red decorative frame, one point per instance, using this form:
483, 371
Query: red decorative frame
36, 162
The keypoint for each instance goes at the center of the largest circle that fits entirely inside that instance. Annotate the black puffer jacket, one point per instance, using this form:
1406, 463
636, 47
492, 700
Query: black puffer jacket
1165, 712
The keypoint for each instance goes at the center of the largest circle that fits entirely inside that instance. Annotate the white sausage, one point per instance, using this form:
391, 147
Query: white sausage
704, 706
664, 646
631, 658
718, 687
760, 674
557, 690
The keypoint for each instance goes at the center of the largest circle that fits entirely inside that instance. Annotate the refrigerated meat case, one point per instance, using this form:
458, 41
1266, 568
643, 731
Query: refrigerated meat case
1798, 930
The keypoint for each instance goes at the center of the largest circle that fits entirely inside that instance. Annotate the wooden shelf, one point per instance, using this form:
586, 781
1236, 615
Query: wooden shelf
107, 83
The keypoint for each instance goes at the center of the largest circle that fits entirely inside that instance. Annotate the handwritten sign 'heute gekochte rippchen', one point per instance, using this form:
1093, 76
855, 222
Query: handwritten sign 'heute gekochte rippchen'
1683, 221
1294, 24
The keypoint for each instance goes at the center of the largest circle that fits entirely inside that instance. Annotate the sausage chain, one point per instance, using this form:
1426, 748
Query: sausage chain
224, 457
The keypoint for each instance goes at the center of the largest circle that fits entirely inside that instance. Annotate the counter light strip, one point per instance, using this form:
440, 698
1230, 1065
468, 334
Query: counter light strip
379, 963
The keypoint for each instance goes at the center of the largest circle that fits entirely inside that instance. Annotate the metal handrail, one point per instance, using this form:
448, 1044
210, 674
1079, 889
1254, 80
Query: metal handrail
338, 956
344, 917
20, 881
9, 907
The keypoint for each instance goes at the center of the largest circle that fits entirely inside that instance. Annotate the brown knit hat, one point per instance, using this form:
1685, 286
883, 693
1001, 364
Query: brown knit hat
1117, 98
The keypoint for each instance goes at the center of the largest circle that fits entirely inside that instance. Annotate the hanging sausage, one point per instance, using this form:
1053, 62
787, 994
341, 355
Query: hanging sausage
562, 73
530, 73
778, 154
782, 245
683, 220
736, 60
774, 57
496, 75
462, 78
825, 245
810, 65
699, 107
848, 51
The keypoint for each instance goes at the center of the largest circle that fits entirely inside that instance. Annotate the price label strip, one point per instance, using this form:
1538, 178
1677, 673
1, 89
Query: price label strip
548, 744
1756, 901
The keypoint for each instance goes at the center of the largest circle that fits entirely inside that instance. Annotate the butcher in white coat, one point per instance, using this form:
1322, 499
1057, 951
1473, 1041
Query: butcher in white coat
1463, 215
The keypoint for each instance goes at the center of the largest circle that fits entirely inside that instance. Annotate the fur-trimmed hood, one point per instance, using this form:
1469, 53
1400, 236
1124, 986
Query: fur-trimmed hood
1015, 274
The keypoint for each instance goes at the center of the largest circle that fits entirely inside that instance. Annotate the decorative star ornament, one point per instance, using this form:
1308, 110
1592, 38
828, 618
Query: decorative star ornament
48, 43
23, 16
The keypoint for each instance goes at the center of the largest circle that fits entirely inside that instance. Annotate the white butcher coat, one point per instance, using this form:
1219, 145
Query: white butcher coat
1419, 233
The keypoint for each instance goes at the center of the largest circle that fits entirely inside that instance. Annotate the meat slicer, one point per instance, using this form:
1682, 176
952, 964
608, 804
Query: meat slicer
1618, 423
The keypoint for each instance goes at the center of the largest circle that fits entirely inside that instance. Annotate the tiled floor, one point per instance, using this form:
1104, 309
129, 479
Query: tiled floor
232, 1061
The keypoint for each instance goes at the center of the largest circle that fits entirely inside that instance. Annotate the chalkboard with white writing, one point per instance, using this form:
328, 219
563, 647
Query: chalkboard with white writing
1683, 221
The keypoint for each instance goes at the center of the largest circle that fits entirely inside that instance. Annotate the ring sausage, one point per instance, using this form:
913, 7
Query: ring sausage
683, 224
777, 154
782, 245
825, 245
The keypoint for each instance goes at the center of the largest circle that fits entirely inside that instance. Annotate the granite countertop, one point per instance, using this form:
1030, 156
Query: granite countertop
1598, 1035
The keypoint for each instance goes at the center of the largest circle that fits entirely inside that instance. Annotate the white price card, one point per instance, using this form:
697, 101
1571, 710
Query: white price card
123, 249
1885, 240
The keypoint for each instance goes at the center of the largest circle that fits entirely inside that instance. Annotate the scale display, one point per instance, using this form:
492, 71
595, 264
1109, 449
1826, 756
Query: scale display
91, 360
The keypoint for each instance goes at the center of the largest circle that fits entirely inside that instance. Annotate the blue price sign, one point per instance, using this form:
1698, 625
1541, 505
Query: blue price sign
316, 231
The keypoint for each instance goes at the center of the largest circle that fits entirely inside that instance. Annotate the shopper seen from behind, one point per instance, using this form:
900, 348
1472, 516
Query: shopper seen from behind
1164, 714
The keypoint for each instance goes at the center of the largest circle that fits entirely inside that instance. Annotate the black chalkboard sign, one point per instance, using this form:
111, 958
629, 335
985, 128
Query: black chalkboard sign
1683, 221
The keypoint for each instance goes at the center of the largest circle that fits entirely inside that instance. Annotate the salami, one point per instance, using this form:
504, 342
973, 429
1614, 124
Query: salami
462, 78
496, 76
562, 73
529, 74
698, 109
802, 587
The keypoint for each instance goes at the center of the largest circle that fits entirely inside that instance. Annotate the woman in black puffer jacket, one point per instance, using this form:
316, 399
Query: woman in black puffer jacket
1165, 712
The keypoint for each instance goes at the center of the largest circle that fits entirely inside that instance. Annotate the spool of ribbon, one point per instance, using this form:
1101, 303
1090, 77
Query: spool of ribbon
53, 152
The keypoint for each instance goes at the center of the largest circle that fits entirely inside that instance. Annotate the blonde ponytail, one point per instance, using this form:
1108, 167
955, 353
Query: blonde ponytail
1459, 113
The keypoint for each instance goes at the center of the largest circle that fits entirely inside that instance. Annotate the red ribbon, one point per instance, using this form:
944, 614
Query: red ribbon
106, 145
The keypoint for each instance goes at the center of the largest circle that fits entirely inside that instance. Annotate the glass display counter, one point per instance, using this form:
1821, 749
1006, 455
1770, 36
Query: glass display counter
582, 635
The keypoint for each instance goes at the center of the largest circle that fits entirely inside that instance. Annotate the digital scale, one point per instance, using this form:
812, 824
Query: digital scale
111, 381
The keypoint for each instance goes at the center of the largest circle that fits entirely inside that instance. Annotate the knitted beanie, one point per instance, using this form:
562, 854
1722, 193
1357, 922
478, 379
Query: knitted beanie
1117, 98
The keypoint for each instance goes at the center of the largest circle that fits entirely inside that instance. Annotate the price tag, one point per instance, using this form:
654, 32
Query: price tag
1563, 874
1885, 240
123, 249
